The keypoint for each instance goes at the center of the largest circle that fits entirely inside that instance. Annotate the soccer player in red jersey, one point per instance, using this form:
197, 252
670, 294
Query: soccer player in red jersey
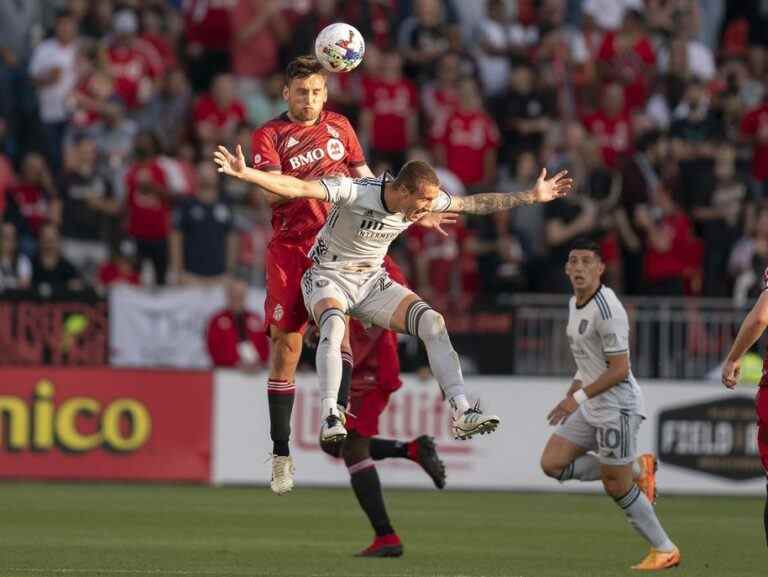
306, 142
751, 330
375, 377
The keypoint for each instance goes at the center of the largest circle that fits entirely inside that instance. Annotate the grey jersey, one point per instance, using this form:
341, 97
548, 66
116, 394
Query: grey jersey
359, 228
596, 330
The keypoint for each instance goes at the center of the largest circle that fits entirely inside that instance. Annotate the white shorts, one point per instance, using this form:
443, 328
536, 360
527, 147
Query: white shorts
613, 439
371, 297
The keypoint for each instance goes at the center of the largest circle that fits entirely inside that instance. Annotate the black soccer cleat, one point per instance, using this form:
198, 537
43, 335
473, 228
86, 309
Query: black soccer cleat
423, 451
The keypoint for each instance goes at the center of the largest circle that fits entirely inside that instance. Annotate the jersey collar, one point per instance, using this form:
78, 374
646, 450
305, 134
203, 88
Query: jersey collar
589, 300
386, 177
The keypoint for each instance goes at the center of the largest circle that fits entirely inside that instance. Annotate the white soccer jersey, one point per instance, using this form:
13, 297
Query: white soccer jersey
596, 330
360, 227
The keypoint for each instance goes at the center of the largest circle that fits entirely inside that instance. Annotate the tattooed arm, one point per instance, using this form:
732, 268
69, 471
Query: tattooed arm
486, 203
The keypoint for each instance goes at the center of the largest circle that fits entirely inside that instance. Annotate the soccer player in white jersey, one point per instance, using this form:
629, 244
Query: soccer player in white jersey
347, 276
602, 411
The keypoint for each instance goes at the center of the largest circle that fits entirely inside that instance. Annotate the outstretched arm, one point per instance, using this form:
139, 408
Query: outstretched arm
279, 184
486, 203
753, 326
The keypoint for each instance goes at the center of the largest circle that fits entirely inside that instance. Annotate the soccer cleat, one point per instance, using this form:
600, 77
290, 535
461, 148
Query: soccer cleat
384, 546
657, 560
647, 479
282, 475
472, 422
332, 429
422, 451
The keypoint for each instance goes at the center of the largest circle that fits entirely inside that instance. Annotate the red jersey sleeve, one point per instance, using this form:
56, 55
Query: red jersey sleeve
356, 155
265, 156
644, 49
607, 51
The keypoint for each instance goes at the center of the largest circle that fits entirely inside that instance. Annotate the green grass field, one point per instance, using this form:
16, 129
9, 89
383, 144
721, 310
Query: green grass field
114, 530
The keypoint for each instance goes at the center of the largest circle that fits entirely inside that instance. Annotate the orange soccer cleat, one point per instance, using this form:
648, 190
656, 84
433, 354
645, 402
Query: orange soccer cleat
658, 560
647, 479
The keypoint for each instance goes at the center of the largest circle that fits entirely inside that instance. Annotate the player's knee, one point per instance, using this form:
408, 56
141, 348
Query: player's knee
356, 449
431, 325
332, 327
550, 467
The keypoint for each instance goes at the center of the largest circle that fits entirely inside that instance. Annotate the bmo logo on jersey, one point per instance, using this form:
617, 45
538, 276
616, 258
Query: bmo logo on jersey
334, 149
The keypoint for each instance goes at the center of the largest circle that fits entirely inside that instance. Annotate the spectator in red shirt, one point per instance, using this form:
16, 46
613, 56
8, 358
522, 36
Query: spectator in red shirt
441, 96
208, 31
148, 205
121, 268
627, 57
611, 126
673, 255
155, 41
129, 64
389, 116
754, 128
32, 202
259, 29
218, 114
468, 143
235, 335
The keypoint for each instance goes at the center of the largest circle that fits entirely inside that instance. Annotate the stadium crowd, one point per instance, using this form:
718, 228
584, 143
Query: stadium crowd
109, 112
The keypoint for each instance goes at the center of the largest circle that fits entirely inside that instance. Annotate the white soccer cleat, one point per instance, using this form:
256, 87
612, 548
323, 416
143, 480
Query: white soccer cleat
332, 429
472, 422
282, 475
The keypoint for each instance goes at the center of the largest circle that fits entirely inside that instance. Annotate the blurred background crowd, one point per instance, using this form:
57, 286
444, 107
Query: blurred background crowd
109, 111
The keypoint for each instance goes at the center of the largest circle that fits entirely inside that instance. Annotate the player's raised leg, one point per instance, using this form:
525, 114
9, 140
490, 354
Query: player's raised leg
415, 317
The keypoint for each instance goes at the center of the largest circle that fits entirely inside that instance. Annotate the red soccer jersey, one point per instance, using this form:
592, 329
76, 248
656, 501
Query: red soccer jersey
208, 23
34, 205
207, 110
467, 137
148, 214
613, 135
327, 148
391, 104
630, 66
223, 336
755, 125
130, 67
110, 273
376, 363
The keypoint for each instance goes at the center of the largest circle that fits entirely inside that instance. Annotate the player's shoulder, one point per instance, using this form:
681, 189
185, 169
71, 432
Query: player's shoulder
274, 125
331, 117
608, 304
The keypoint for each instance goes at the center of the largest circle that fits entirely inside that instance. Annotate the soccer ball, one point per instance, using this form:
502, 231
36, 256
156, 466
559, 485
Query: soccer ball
339, 47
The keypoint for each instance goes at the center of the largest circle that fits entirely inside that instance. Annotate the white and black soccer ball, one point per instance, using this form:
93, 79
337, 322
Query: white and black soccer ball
339, 47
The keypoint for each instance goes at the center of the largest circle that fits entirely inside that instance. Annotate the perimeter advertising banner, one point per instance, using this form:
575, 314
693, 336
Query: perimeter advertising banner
703, 434
105, 424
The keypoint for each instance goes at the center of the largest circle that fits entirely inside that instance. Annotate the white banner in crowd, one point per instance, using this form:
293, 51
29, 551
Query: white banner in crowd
703, 434
165, 328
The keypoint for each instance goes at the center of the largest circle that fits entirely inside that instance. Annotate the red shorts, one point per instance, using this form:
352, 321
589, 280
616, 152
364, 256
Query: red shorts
375, 377
761, 403
284, 306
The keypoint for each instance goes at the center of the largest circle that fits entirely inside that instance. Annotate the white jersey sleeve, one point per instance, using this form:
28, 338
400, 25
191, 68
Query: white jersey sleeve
441, 203
613, 330
340, 190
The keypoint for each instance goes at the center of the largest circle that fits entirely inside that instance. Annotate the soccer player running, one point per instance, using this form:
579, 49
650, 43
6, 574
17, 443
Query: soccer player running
603, 408
305, 142
751, 329
347, 276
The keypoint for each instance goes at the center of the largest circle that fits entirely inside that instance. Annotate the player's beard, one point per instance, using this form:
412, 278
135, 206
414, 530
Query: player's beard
305, 113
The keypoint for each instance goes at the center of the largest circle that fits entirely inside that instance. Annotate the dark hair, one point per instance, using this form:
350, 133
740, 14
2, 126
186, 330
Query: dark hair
586, 244
415, 173
301, 67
